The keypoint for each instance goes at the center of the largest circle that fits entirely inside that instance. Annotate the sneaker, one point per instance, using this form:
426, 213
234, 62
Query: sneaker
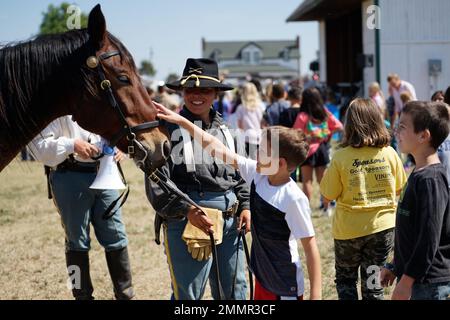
322, 206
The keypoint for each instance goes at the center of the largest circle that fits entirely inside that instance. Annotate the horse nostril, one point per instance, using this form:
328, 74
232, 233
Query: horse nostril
166, 149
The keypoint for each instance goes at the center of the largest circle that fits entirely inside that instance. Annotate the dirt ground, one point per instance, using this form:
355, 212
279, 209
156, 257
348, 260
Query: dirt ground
32, 264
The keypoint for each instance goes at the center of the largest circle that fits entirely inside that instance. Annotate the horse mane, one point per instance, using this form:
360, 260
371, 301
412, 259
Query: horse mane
34, 73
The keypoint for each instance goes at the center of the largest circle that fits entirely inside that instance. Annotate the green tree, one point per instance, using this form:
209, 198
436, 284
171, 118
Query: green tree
147, 68
172, 77
57, 19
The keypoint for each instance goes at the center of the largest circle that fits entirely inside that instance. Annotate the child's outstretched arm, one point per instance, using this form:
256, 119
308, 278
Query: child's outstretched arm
313, 264
210, 143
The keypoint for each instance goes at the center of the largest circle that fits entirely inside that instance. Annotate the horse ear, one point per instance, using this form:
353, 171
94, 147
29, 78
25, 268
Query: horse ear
97, 27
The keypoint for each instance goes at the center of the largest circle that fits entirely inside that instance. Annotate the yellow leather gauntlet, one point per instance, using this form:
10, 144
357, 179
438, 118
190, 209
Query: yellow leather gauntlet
198, 243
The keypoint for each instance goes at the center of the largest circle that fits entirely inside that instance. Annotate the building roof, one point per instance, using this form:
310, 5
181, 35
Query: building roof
232, 49
312, 10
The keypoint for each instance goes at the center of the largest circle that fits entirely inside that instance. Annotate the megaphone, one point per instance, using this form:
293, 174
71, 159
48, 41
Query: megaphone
108, 176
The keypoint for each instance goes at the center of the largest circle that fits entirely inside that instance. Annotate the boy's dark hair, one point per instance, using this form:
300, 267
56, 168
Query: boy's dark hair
364, 125
257, 84
431, 116
292, 144
295, 93
312, 104
278, 91
437, 94
447, 96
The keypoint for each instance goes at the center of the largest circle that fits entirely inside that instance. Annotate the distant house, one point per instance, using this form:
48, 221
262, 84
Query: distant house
262, 59
409, 37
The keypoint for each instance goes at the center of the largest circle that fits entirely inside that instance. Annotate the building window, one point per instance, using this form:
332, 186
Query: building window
215, 55
246, 57
256, 57
251, 55
285, 54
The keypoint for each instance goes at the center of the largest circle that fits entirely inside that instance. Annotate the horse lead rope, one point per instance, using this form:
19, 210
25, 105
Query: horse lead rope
156, 176
165, 183
130, 132
241, 235
124, 196
214, 254
162, 181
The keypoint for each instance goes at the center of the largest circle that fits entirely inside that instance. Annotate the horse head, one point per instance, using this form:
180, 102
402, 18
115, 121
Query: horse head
118, 101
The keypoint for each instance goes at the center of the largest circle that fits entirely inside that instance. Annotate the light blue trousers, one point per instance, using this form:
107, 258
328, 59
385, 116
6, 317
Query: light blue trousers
80, 206
188, 275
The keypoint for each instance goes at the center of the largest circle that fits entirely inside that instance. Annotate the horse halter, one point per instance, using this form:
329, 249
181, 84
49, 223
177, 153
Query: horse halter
129, 132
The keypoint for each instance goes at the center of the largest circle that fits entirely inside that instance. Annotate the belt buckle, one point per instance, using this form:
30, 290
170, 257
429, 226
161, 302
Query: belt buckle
232, 211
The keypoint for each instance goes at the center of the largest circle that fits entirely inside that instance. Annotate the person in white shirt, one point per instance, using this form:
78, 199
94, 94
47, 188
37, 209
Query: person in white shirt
398, 86
249, 114
67, 150
377, 96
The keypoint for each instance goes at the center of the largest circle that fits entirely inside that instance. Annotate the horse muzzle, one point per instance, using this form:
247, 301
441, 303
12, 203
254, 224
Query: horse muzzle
149, 159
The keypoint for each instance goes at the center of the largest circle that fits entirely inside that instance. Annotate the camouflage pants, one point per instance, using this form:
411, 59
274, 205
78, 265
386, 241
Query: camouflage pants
369, 254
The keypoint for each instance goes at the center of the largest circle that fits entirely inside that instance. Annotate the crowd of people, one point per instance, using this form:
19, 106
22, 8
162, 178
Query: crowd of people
255, 189
362, 180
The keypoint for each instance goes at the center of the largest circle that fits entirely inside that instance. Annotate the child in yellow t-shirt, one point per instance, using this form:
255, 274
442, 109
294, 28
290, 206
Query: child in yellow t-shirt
364, 177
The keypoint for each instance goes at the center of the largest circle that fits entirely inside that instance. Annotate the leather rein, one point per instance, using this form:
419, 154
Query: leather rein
130, 132
156, 175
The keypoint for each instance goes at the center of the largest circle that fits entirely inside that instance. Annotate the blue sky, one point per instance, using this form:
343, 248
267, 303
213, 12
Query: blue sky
173, 29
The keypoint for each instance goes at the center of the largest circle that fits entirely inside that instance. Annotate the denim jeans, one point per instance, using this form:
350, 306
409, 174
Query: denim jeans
79, 207
188, 275
431, 291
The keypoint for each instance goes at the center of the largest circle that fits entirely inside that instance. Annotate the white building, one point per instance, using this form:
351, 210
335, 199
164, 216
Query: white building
278, 59
365, 40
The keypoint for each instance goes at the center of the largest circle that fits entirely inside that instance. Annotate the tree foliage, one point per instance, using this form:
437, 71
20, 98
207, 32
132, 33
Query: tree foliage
172, 77
147, 68
57, 18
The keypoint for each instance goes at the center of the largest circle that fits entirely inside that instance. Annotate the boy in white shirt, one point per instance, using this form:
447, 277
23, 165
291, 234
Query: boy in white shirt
280, 210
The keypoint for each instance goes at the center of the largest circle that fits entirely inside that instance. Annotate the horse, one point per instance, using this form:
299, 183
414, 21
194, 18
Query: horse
86, 73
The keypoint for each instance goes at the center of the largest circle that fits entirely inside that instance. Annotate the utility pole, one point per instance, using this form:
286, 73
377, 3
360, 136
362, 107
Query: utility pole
151, 54
299, 60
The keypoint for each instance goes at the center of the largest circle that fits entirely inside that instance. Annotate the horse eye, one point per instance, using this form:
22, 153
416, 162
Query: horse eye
124, 79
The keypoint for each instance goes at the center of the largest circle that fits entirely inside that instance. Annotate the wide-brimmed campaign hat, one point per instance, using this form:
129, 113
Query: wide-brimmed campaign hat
200, 73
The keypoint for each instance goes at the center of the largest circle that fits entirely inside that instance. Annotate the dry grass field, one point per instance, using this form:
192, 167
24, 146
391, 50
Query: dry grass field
32, 264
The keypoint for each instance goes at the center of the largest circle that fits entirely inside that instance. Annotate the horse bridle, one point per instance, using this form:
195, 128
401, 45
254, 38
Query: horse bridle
129, 132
